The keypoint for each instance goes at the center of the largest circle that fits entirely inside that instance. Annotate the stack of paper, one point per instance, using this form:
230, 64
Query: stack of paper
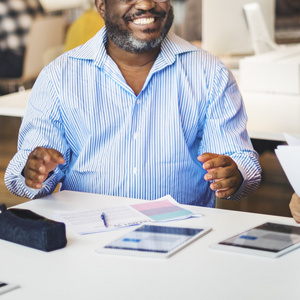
289, 158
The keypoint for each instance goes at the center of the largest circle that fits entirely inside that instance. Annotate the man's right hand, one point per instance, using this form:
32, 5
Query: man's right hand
41, 161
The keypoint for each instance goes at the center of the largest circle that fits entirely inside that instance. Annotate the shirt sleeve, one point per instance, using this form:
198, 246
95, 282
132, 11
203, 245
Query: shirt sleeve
41, 127
225, 130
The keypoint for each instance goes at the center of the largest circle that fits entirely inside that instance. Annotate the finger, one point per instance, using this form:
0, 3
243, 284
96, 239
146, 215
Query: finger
224, 184
225, 193
219, 173
34, 176
36, 165
295, 207
296, 215
206, 157
36, 162
47, 155
218, 162
40, 153
33, 184
56, 156
46, 160
40, 162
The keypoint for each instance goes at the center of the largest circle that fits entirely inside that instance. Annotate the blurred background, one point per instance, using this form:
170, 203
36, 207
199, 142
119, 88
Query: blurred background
204, 23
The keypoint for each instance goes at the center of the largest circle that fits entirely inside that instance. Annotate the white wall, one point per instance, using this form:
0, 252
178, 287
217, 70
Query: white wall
54, 5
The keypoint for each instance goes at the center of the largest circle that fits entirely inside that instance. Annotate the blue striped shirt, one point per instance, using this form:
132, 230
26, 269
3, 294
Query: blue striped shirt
143, 146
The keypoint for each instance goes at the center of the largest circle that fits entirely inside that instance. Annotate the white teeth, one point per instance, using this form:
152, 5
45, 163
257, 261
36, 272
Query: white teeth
144, 21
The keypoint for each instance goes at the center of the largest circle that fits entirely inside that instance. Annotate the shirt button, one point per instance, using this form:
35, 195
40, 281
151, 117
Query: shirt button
135, 170
136, 135
138, 102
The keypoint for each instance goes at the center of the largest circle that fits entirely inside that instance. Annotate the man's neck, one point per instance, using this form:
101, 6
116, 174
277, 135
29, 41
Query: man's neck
134, 60
135, 67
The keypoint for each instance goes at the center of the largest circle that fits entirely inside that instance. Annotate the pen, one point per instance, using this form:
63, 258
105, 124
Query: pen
103, 217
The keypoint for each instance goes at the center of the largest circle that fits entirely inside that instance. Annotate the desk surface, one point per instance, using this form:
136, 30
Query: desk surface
14, 104
196, 272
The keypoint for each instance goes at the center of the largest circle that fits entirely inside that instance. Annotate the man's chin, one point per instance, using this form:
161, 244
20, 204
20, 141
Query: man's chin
134, 44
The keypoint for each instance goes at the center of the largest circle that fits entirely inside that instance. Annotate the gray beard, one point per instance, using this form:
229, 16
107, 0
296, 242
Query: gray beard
124, 40
129, 43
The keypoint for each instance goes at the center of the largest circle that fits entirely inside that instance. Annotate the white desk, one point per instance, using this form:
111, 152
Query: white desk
196, 272
14, 104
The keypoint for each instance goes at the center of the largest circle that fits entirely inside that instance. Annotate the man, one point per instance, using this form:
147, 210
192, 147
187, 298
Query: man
295, 207
138, 113
15, 21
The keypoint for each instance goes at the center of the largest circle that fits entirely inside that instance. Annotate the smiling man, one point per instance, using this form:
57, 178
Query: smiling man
136, 112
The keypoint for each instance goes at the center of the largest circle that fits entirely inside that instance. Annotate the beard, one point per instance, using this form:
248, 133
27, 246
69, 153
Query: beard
124, 40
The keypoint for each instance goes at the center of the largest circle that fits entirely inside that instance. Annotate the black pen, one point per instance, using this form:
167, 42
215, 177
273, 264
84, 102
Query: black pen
103, 217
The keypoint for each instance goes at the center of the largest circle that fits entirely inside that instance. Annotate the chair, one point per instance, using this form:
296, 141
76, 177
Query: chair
83, 28
260, 37
45, 32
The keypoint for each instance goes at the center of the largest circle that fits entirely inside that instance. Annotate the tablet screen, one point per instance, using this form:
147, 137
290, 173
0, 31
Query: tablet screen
154, 239
270, 237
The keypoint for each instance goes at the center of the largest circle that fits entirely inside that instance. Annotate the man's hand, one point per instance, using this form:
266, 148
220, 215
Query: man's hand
223, 171
295, 207
40, 162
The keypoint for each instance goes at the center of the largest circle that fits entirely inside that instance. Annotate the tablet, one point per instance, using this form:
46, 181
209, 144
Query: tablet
154, 241
268, 239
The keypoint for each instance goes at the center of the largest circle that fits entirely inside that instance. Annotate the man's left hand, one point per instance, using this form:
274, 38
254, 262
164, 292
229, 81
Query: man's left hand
223, 171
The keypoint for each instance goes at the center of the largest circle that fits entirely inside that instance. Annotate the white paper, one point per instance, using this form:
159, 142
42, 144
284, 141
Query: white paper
289, 158
292, 139
90, 221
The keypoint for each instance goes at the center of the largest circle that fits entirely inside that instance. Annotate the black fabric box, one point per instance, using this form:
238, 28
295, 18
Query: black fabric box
29, 229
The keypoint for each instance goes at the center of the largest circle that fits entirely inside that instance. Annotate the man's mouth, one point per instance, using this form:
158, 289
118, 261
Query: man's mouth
143, 21
145, 17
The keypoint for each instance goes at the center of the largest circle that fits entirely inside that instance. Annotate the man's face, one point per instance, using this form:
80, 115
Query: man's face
138, 27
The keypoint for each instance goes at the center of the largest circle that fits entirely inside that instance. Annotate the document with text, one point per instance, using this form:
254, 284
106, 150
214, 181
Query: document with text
97, 220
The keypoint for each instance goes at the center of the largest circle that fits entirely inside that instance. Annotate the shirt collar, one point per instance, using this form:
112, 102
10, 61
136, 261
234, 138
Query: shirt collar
94, 49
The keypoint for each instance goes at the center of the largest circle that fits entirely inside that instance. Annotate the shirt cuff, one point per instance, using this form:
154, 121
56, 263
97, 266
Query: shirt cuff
34, 192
